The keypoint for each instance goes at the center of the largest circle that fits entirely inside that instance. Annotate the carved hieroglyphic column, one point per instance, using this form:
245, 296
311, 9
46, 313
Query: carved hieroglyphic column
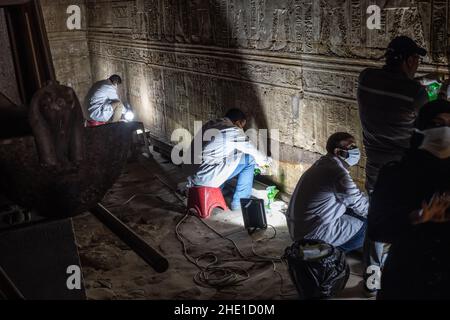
439, 30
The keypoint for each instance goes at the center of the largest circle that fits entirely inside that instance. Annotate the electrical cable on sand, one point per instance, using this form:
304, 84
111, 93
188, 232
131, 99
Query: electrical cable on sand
213, 273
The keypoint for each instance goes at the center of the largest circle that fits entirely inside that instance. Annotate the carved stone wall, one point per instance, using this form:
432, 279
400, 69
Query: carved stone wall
69, 47
292, 64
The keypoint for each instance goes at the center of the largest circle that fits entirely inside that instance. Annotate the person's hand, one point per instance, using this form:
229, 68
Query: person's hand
264, 166
431, 77
443, 93
437, 211
268, 162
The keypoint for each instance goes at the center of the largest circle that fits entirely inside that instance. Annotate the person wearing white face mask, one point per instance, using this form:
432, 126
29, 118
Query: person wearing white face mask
410, 209
437, 140
326, 204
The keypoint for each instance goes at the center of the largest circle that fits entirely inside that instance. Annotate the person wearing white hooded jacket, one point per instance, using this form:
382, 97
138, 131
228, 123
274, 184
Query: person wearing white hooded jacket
327, 205
102, 103
227, 152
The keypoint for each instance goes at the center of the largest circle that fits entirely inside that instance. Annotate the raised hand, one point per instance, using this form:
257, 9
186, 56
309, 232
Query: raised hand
437, 211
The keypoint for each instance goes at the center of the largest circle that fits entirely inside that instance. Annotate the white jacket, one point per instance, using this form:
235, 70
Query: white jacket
323, 195
220, 157
99, 99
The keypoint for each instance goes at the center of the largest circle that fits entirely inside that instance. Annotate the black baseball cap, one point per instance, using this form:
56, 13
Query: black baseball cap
403, 47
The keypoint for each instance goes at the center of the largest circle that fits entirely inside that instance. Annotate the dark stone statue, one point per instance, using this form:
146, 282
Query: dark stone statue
56, 119
60, 169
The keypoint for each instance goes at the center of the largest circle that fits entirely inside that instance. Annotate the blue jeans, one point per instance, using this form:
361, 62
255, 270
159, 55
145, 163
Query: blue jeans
357, 241
245, 172
375, 254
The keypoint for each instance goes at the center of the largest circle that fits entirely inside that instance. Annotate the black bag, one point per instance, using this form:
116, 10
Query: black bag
254, 214
317, 269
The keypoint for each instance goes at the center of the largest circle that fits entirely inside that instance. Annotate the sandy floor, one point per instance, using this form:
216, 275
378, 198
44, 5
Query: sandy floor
113, 271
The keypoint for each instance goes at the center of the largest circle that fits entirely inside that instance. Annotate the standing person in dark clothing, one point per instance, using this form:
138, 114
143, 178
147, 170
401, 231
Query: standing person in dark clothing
389, 99
410, 208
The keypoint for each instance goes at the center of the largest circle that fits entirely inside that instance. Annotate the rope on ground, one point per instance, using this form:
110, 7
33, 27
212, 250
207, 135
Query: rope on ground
214, 274
211, 275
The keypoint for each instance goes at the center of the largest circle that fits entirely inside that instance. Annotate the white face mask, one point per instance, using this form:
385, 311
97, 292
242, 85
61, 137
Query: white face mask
437, 142
354, 155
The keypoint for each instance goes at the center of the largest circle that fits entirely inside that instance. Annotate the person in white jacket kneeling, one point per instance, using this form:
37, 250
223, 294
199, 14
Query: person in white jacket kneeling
326, 204
226, 153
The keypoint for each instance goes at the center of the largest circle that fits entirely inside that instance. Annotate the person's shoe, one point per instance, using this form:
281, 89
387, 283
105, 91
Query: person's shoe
369, 293
372, 281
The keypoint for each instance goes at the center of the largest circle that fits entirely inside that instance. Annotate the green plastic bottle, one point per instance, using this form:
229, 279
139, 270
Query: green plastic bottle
433, 90
272, 193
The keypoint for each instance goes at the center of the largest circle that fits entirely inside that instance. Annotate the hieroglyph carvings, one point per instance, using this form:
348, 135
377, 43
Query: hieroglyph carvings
292, 64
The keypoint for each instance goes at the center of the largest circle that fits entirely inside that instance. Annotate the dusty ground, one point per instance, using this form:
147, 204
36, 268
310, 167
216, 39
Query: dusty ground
113, 271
